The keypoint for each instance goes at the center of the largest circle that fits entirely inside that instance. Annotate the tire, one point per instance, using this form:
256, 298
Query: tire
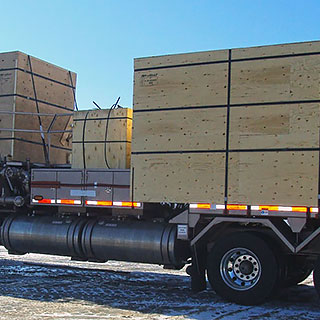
243, 268
316, 276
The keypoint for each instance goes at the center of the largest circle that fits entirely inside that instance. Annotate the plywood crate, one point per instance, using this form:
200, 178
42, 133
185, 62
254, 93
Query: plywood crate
97, 144
55, 89
238, 125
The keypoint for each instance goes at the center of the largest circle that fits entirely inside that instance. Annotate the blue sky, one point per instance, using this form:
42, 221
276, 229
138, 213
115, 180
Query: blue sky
99, 39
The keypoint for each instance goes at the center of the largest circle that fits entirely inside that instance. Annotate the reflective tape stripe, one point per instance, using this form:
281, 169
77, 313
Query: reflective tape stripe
115, 203
98, 203
299, 209
48, 201
264, 208
236, 207
279, 208
68, 201
200, 206
126, 204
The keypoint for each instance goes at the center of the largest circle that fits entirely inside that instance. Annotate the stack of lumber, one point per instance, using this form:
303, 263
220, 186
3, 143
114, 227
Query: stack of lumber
229, 126
102, 139
29, 86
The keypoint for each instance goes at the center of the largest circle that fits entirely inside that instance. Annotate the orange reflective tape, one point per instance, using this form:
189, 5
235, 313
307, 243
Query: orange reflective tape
104, 203
68, 201
299, 209
203, 206
270, 208
44, 201
236, 207
130, 204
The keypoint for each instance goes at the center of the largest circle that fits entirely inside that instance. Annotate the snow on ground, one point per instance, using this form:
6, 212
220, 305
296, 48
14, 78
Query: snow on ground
47, 287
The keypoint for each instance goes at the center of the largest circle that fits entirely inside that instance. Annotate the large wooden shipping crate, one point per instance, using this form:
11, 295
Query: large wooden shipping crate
238, 126
102, 139
23, 85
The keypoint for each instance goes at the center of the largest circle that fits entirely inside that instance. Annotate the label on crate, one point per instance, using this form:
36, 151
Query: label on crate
148, 80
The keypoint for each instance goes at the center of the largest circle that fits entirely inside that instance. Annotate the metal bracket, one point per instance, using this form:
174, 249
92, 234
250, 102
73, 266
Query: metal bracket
181, 218
264, 222
308, 240
186, 217
296, 224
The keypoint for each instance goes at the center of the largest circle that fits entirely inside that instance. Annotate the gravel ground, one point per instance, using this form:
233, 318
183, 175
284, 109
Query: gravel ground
47, 287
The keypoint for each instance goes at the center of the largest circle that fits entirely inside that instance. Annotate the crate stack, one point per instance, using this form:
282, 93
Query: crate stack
102, 138
29, 87
236, 126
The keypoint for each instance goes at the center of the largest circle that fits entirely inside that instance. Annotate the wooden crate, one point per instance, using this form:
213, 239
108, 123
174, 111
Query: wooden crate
55, 95
239, 125
97, 149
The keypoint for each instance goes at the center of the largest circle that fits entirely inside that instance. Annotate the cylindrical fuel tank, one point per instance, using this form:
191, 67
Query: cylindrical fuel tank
95, 239
49, 235
133, 241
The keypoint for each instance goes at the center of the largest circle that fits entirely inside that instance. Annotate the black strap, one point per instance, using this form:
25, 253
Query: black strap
74, 91
227, 133
45, 151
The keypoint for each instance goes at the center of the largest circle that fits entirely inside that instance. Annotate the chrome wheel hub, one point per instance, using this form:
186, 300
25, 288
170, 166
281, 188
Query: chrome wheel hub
240, 269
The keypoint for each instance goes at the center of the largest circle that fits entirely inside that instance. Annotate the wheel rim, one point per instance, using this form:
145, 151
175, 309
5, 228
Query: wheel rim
240, 269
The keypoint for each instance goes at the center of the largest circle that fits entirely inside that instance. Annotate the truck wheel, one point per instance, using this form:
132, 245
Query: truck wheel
243, 268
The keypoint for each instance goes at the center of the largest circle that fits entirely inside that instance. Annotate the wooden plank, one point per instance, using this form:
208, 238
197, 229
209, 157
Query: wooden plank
118, 147
46, 69
95, 127
181, 59
181, 87
7, 82
46, 90
31, 122
281, 178
202, 129
274, 50
274, 80
179, 178
8, 59
118, 155
6, 121
22, 153
278, 126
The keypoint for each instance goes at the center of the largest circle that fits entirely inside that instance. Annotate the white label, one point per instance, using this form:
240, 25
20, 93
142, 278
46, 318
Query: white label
182, 231
264, 212
82, 193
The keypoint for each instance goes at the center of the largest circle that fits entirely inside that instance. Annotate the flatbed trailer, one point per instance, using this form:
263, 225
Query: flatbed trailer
223, 148
247, 252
